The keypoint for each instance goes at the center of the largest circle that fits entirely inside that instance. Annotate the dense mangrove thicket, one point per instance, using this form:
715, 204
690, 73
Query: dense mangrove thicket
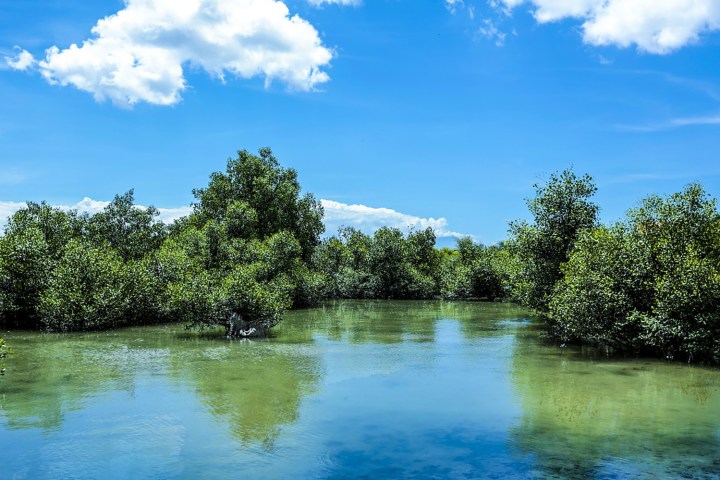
390, 265
239, 260
649, 284
252, 248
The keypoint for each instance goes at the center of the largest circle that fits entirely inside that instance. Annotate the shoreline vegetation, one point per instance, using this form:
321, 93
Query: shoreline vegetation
252, 248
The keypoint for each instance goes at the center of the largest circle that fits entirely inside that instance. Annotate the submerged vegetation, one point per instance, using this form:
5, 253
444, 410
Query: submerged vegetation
252, 248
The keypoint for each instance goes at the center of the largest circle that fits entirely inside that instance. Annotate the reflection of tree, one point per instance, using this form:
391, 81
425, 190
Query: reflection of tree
392, 322
255, 388
52, 375
581, 415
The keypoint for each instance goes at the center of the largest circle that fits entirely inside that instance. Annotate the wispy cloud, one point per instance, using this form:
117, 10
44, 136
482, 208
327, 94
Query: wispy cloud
489, 30
681, 122
140, 53
453, 5
11, 176
318, 3
653, 177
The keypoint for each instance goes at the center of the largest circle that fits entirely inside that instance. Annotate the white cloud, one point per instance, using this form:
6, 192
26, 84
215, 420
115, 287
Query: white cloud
489, 30
140, 53
169, 215
653, 26
366, 219
452, 5
369, 219
318, 3
7, 209
22, 61
88, 205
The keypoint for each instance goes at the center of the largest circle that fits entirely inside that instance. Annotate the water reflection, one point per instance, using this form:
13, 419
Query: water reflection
603, 418
395, 322
255, 388
353, 389
51, 375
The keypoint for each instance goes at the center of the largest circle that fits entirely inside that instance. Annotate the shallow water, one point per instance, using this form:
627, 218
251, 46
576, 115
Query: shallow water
352, 390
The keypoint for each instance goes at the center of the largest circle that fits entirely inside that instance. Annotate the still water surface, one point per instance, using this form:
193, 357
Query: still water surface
352, 390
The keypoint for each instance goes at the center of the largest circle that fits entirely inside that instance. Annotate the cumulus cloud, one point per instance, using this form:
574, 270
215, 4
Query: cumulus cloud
653, 26
22, 61
88, 205
7, 209
169, 215
369, 219
366, 219
140, 54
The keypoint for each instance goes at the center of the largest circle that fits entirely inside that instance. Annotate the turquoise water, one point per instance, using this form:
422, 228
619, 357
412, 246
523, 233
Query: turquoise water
352, 390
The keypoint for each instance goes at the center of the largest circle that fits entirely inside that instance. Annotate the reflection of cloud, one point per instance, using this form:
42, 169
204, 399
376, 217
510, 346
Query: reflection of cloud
369, 219
140, 53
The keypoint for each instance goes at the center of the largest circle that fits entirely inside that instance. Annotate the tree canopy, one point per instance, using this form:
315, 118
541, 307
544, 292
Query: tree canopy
561, 210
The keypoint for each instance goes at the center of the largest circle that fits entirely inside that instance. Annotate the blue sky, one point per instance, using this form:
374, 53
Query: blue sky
395, 112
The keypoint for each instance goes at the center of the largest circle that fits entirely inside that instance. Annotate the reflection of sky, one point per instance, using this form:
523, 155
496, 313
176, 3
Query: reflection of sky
405, 397
425, 409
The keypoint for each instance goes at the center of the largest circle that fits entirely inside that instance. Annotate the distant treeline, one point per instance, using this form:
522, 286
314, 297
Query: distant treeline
252, 248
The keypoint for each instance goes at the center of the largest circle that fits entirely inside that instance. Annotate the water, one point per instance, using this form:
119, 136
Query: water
352, 390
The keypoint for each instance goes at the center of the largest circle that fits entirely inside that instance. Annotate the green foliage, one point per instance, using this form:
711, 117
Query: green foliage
240, 260
561, 209
31, 247
386, 265
650, 284
92, 289
477, 271
24, 265
130, 231
56, 226
256, 198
